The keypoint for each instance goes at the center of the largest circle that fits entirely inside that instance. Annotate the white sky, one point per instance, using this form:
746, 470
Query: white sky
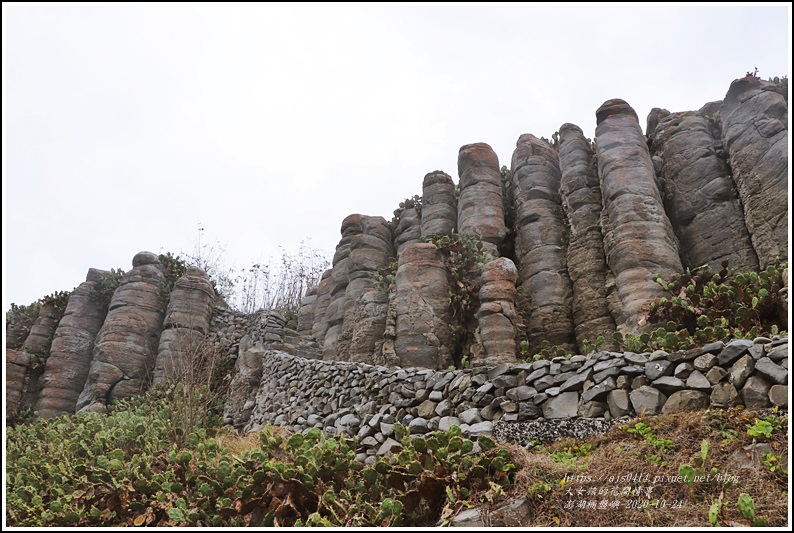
126, 126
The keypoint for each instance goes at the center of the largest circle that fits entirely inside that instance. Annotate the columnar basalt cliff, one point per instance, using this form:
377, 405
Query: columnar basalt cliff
126, 346
576, 233
581, 197
541, 239
639, 241
187, 323
754, 119
480, 206
72, 349
699, 195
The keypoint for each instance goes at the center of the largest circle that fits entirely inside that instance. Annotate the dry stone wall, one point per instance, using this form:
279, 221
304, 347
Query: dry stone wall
367, 400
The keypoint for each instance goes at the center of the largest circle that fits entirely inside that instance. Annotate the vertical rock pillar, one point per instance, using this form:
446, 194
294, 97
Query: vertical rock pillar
497, 315
182, 353
639, 240
699, 194
754, 126
72, 349
423, 316
581, 197
126, 346
541, 242
480, 207
439, 205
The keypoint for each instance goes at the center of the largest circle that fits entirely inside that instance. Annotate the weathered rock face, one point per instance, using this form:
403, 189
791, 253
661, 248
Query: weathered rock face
754, 127
639, 240
182, 349
480, 208
421, 302
581, 198
439, 205
306, 312
409, 228
126, 346
72, 350
699, 194
320, 326
17, 365
41, 333
365, 318
541, 238
335, 313
497, 314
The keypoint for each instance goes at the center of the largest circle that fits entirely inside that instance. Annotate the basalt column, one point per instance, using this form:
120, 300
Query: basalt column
497, 315
754, 127
29, 361
541, 242
320, 326
480, 208
409, 226
183, 352
699, 194
439, 205
306, 312
423, 336
72, 349
639, 240
126, 346
335, 314
581, 198
361, 336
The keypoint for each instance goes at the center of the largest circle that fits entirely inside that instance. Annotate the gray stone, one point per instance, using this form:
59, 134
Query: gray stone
685, 400
389, 446
749, 457
683, 370
639, 381
778, 395
436, 396
635, 358
733, 351
762, 340
605, 374
543, 383
599, 391
470, 416
724, 395
668, 384
387, 429
716, 374
741, 370
632, 370
698, 381
349, 420
592, 409
553, 391
499, 370
521, 393
623, 382
658, 355
469, 518
778, 353
419, 426
528, 411
444, 407
713, 347
610, 363
705, 362
575, 383
755, 393
566, 405
647, 400
505, 380
655, 369
447, 422
539, 373
756, 351
766, 368
426, 409
480, 428
618, 402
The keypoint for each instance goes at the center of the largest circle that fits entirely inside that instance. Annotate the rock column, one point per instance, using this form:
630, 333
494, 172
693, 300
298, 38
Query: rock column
439, 205
480, 208
497, 314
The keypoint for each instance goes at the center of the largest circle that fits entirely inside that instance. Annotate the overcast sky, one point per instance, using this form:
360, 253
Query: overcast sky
125, 127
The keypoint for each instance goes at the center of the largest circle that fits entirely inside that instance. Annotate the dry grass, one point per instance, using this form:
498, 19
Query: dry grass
619, 453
